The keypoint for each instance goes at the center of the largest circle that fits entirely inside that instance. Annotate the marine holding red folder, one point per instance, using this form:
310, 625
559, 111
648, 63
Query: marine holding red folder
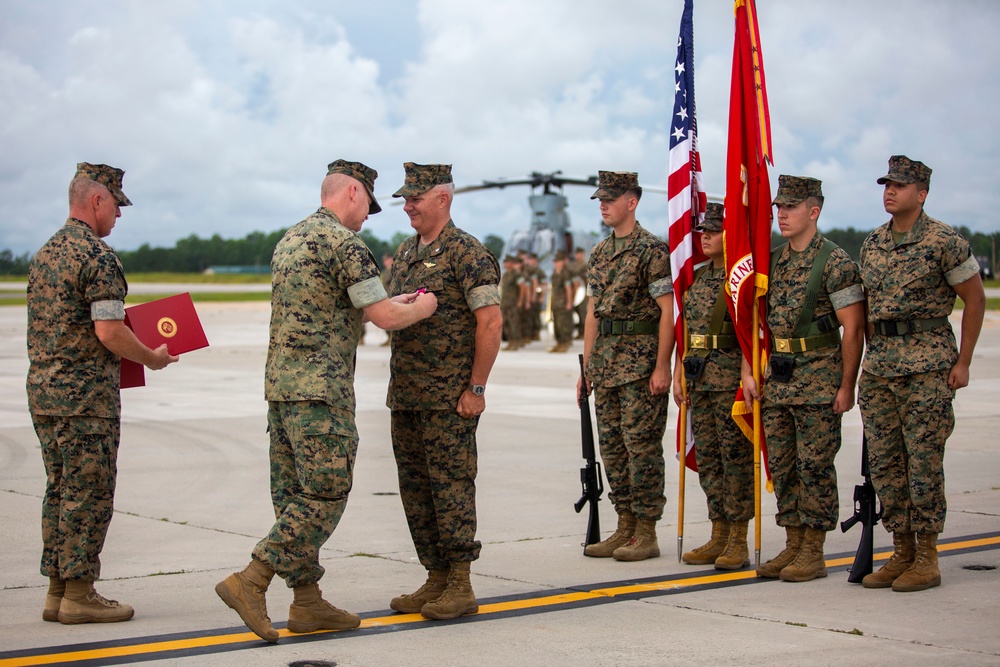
75, 337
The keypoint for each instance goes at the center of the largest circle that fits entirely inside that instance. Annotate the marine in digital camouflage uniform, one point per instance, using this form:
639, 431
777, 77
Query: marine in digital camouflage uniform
629, 338
578, 266
325, 283
76, 335
562, 303
438, 374
510, 295
801, 415
913, 267
723, 454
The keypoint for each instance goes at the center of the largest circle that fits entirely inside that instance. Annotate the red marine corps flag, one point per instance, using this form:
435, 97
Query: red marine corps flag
686, 205
747, 225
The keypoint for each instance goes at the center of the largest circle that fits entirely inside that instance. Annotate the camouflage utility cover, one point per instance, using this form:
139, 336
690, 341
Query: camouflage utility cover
713, 218
795, 189
432, 360
361, 173
818, 373
613, 184
904, 170
322, 276
422, 177
109, 177
71, 373
624, 285
914, 280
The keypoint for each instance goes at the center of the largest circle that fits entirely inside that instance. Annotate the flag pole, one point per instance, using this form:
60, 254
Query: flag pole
756, 432
681, 454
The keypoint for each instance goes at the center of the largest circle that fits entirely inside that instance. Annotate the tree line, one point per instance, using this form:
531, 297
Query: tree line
195, 255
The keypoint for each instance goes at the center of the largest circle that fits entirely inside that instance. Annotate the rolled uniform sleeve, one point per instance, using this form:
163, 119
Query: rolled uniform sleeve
367, 292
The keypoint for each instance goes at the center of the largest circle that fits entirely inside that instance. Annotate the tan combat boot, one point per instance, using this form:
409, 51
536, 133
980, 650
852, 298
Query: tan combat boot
737, 554
411, 603
53, 598
904, 551
310, 612
623, 533
924, 572
643, 544
810, 562
457, 599
244, 593
82, 604
793, 540
708, 552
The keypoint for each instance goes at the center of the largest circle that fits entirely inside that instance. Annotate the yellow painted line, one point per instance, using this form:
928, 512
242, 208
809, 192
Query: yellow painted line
400, 619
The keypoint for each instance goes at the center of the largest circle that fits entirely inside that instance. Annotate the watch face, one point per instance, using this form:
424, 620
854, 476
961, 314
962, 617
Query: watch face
478, 389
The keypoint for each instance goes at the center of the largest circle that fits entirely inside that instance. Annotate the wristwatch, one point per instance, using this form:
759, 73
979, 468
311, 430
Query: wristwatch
477, 389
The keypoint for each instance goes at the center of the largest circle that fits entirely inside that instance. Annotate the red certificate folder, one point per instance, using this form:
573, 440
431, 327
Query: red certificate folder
173, 321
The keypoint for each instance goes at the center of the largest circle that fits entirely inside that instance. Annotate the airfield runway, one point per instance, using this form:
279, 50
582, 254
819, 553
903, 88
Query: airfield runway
192, 500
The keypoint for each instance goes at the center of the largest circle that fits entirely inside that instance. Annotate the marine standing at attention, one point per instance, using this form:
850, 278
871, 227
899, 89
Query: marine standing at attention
325, 284
814, 289
437, 390
76, 337
712, 368
913, 267
562, 283
628, 342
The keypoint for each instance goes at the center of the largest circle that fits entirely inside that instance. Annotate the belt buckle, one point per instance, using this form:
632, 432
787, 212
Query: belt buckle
782, 345
629, 327
698, 342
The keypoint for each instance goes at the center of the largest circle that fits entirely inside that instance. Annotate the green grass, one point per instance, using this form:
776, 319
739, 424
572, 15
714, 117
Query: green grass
163, 277
201, 297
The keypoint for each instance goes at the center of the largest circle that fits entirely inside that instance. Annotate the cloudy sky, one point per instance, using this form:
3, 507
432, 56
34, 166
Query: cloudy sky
225, 113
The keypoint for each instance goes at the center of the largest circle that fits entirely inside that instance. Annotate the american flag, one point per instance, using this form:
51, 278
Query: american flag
686, 200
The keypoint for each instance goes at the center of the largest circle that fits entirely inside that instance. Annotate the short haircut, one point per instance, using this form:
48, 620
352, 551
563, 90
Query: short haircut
82, 188
815, 201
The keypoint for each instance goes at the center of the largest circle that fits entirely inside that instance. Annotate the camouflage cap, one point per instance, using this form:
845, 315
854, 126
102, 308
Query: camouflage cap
511, 259
613, 184
560, 256
109, 177
713, 219
361, 173
422, 177
795, 189
904, 170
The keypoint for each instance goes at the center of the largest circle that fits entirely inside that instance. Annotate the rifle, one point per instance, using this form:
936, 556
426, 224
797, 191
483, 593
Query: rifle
590, 473
864, 512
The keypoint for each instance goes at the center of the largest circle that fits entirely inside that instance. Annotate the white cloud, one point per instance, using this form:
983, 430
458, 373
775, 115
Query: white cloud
225, 114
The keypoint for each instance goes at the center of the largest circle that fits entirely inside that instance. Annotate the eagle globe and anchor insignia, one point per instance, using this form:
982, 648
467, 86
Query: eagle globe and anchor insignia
167, 327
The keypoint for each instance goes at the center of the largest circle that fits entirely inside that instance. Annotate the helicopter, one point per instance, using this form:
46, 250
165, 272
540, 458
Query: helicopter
549, 229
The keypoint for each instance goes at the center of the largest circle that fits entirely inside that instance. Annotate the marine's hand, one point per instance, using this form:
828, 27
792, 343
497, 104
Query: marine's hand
161, 358
427, 302
582, 389
959, 376
470, 405
678, 392
750, 391
659, 381
843, 401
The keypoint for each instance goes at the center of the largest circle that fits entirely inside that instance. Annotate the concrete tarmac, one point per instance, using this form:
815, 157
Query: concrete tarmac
192, 500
